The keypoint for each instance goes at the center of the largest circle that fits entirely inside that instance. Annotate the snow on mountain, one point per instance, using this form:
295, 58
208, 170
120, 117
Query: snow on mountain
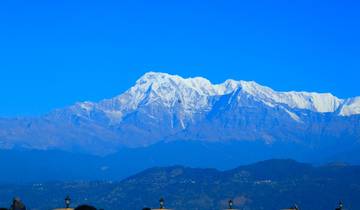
161, 88
163, 107
350, 106
196, 95
317, 102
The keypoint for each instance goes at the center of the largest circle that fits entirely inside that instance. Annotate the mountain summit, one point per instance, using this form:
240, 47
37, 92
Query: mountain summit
164, 108
198, 94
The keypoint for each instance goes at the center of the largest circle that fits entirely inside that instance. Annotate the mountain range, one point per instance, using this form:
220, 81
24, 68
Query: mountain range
272, 184
164, 108
166, 119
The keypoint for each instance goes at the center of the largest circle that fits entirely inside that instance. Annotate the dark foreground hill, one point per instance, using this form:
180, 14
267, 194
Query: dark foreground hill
269, 185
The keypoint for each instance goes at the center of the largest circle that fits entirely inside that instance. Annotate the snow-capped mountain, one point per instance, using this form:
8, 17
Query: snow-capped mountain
162, 107
198, 94
194, 95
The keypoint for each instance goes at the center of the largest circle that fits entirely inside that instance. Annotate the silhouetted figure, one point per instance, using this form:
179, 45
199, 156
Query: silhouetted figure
17, 205
142, 209
85, 207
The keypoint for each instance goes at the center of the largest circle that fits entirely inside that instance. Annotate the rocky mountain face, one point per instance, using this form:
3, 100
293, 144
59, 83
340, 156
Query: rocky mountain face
273, 184
165, 108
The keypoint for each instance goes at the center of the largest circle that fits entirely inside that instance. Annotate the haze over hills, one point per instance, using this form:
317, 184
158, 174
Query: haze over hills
273, 185
166, 119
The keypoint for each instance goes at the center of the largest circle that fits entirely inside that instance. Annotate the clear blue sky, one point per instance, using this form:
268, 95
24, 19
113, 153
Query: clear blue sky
54, 53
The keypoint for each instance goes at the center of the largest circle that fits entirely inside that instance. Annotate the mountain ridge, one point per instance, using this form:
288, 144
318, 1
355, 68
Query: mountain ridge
294, 99
164, 107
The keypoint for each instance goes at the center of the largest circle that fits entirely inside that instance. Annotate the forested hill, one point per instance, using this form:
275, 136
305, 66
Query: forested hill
271, 185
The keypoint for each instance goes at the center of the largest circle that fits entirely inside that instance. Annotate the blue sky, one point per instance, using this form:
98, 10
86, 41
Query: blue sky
54, 53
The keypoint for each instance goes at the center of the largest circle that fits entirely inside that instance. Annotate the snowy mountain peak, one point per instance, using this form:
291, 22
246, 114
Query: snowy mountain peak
157, 77
163, 107
191, 96
163, 80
